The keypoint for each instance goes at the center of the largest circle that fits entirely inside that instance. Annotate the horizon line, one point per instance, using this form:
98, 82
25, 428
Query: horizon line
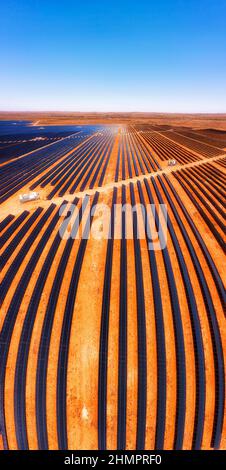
112, 112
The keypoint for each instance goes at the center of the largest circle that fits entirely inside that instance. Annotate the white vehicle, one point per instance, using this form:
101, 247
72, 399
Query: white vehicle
33, 196
172, 162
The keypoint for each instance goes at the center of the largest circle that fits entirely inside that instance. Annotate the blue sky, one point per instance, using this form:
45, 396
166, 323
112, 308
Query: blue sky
143, 55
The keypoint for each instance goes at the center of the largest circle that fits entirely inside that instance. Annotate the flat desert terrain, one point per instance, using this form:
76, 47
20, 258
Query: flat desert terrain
115, 337
197, 121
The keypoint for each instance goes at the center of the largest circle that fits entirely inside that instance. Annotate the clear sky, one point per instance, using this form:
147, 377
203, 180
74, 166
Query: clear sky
121, 55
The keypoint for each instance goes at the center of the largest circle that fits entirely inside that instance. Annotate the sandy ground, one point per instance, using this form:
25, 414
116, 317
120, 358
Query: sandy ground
196, 121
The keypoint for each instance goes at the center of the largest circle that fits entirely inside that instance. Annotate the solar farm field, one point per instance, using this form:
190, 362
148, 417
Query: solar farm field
115, 337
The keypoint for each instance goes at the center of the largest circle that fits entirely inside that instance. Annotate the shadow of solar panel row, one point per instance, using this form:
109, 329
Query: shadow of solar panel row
167, 149
18, 173
206, 138
77, 173
65, 337
54, 174
51, 154
6, 222
222, 162
213, 324
158, 190
193, 145
13, 146
207, 203
134, 158
8, 325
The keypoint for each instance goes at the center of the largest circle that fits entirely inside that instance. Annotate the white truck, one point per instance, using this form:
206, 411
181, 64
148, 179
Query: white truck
172, 162
33, 196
